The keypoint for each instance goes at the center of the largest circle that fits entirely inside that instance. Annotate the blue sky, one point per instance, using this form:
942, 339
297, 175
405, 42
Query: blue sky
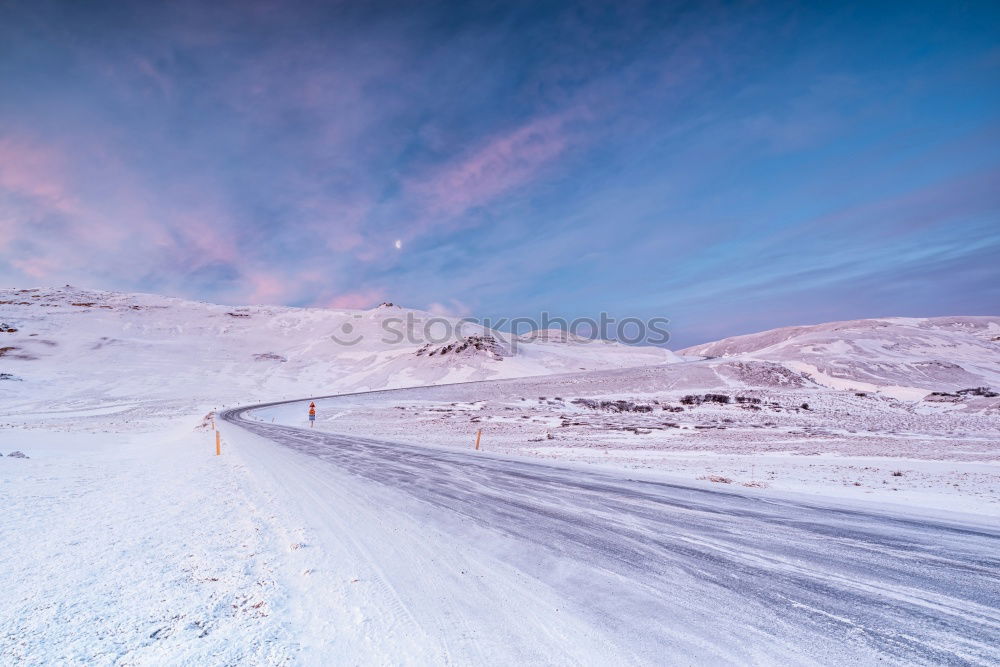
730, 166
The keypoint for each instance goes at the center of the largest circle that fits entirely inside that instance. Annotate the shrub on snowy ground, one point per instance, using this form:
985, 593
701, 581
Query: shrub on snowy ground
270, 356
978, 391
18, 455
612, 406
695, 399
985, 392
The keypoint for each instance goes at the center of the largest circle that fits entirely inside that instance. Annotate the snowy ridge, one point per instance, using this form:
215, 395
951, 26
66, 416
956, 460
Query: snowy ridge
907, 358
68, 342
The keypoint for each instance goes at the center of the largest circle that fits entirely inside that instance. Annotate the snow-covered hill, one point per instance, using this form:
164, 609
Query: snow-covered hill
908, 358
73, 345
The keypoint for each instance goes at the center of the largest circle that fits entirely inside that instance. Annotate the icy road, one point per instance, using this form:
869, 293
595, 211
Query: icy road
669, 573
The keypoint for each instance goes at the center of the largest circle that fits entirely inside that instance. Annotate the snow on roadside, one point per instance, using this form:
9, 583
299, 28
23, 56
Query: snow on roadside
809, 439
373, 586
126, 541
133, 547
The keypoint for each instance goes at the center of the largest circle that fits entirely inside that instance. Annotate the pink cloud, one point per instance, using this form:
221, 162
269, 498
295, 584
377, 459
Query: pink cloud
35, 172
102, 215
154, 74
498, 166
337, 223
501, 164
39, 268
205, 237
454, 308
268, 288
363, 298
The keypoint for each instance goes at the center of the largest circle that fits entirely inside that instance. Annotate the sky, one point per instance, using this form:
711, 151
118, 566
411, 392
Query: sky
730, 166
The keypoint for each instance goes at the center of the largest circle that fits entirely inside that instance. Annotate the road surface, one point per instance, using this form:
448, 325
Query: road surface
686, 575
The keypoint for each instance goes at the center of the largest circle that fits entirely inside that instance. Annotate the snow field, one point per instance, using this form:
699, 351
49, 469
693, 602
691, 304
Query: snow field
134, 547
667, 571
380, 578
871, 448
138, 546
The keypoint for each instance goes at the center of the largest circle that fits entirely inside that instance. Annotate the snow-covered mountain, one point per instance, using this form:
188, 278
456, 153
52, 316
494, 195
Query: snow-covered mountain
71, 344
908, 358
79, 346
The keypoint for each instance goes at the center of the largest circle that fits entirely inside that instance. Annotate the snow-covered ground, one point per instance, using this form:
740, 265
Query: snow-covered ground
903, 357
651, 570
803, 437
127, 541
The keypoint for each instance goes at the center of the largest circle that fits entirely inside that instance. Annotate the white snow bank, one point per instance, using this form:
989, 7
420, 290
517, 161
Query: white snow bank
136, 547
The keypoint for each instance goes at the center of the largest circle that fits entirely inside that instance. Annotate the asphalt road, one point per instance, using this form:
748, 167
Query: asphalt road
671, 568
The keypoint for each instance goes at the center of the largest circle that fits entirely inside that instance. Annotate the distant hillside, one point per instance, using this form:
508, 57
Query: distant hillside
905, 357
74, 344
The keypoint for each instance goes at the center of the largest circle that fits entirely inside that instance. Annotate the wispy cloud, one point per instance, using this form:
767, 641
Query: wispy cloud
365, 298
500, 164
36, 173
576, 157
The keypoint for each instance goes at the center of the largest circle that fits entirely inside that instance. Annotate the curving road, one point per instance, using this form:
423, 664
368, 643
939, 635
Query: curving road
689, 575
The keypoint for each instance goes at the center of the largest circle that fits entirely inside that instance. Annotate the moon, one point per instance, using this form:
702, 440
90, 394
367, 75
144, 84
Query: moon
398, 244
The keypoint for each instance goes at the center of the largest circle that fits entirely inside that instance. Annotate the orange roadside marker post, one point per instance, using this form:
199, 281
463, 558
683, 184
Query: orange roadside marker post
479, 434
218, 444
